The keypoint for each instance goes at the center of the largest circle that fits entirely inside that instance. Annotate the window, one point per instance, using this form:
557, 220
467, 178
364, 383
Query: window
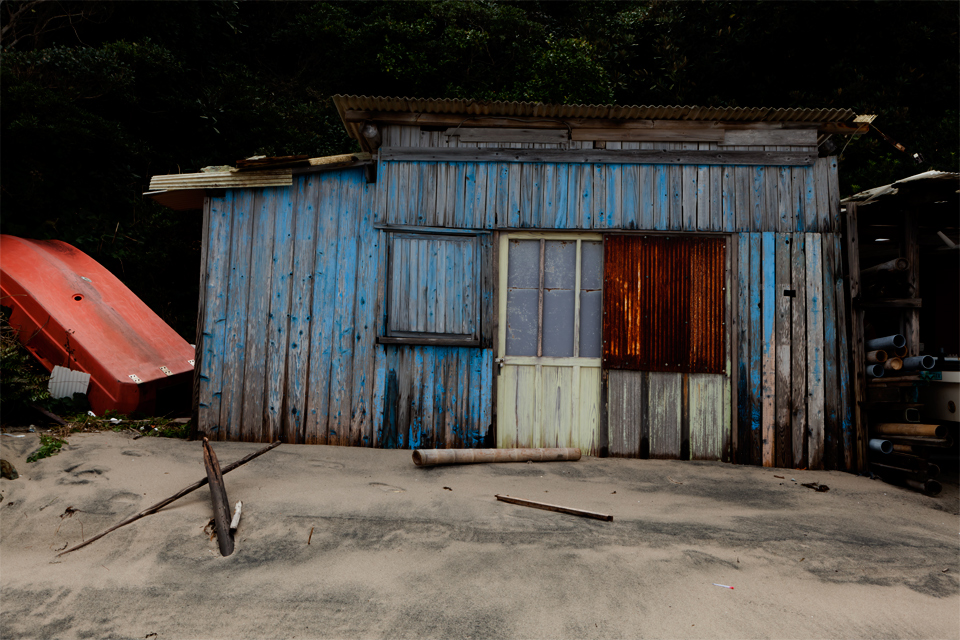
664, 303
433, 289
553, 301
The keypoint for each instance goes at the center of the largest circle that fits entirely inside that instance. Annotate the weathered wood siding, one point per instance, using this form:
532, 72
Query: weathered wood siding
289, 321
491, 195
792, 386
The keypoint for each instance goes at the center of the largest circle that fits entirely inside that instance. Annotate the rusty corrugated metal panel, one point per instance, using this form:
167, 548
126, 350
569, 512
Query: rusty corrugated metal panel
663, 303
607, 111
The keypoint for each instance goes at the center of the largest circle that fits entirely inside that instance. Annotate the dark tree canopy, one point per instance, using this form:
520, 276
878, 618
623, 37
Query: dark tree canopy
96, 97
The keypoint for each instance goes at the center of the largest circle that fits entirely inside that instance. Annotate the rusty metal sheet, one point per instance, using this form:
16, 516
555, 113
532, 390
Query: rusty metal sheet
663, 303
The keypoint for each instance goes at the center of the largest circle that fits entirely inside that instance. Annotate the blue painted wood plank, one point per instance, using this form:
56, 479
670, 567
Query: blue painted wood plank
503, 194
649, 192
598, 199
258, 309
757, 199
211, 365
560, 197
768, 346
231, 400
756, 348
342, 357
630, 192
298, 349
486, 400
586, 197
574, 181
378, 392
322, 310
613, 206
278, 319
465, 217
364, 386
661, 199
675, 173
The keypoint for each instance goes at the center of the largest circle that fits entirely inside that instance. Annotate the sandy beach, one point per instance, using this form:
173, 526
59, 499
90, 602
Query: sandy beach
359, 543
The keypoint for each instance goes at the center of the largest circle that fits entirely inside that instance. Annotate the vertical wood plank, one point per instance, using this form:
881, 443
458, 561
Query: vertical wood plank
661, 203
675, 173
758, 215
706, 405
234, 347
798, 350
768, 367
664, 414
742, 197
649, 193
744, 437
212, 332
910, 249
728, 207
703, 194
851, 233
630, 190
757, 341
258, 306
784, 440
613, 207
814, 274
201, 320
845, 410
364, 414
831, 394
833, 195
298, 349
598, 198
796, 199
784, 200
690, 193
278, 324
810, 215
317, 425
822, 187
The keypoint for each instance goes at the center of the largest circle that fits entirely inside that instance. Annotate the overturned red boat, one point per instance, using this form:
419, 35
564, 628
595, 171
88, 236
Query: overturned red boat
70, 311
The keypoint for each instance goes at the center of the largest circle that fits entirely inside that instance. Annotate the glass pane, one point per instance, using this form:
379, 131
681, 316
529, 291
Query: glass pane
591, 312
523, 271
591, 265
560, 264
522, 310
558, 323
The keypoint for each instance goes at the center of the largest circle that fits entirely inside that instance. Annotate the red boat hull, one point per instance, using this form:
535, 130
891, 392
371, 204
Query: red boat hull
72, 312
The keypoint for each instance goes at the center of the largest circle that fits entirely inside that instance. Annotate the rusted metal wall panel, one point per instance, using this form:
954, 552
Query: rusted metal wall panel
499, 195
664, 303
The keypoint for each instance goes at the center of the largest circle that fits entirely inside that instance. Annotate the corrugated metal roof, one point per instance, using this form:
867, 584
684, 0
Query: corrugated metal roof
601, 111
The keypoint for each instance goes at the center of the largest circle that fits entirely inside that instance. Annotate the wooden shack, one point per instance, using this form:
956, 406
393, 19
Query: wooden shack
634, 281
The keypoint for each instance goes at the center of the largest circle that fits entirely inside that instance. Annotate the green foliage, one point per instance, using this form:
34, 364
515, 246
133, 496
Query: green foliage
22, 380
49, 446
97, 96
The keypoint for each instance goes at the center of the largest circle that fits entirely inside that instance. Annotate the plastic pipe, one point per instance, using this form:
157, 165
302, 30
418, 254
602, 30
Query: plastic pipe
875, 370
893, 364
881, 446
919, 362
896, 341
877, 357
430, 457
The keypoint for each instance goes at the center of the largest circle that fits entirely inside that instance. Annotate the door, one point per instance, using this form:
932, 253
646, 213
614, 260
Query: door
549, 340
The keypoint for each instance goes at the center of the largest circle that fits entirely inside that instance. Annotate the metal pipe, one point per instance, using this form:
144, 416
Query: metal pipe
875, 370
911, 414
903, 448
893, 364
881, 446
929, 487
920, 441
877, 357
919, 362
896, 341
430, 457
897, 264
910, 429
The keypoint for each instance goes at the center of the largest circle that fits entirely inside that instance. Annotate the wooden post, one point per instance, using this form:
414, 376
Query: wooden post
856, 329
911, 251
218, 494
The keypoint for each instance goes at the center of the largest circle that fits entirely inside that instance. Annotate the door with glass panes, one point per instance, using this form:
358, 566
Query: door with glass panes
549, 340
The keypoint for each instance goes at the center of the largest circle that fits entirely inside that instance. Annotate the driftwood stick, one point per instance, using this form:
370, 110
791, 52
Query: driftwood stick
554, 507
160, 505
218, 495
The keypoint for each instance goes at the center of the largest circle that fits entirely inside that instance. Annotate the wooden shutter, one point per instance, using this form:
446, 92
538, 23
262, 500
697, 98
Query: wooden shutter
663, 303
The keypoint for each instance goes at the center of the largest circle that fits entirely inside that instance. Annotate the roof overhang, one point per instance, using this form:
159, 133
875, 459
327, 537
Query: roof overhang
356, 111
